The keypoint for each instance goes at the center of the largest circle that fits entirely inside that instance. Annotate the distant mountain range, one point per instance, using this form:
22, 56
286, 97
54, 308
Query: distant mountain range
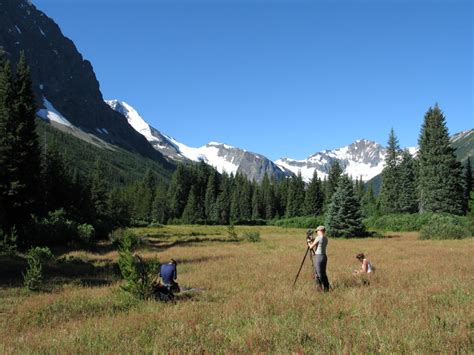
361, 159
69, 97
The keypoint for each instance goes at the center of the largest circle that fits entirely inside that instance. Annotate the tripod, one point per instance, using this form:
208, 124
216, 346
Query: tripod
308, 250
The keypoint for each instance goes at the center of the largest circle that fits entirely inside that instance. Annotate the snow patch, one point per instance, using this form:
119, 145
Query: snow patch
49, 113
133, 118
41, 31
18, 29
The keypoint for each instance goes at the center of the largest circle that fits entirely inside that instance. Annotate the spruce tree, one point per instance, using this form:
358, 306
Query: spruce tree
224, 200
246, 201
440, 180
190, 214
468, 183
407, 199
257, 202
179, 190
6, 139
369, 201
160, 212
344, 217
314, 198
26, 144
210, 199
390, 188
19, 153
99, 195
335, 172
296, 197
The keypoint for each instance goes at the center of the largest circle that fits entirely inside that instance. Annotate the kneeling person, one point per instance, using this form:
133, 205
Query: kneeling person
366, 265
169, 274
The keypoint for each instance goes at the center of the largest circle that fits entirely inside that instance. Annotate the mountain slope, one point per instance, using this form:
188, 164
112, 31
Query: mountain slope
64, 83
221, 156
463, 142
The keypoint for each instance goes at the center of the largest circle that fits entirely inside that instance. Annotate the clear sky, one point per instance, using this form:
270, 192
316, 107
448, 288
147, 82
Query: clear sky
281, 78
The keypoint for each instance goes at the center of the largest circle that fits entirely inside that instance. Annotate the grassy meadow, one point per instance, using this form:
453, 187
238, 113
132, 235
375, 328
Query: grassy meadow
419, 300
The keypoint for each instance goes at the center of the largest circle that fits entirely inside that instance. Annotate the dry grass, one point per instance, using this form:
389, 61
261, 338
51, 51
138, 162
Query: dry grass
419, 301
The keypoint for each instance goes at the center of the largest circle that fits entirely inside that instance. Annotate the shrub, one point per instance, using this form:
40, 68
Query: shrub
85, 232
33, 277
125, 238
155, 224
253, 237
231, 233
414, 222
299, 222
445, 227
8, 241
137, 274
55, 229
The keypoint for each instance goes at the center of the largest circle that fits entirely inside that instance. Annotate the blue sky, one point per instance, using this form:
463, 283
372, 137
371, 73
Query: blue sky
281, 78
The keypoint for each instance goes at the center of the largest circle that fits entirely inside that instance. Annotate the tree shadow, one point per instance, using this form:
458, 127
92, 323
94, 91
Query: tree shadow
60, 271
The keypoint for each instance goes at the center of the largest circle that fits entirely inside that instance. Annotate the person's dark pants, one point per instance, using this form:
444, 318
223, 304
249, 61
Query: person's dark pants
320, 263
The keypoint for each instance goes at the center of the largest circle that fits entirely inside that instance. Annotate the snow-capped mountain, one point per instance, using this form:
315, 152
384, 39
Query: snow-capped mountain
221, 156
363, 158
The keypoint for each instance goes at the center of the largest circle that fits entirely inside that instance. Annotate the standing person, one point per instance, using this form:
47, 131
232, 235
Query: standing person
169, 274
318, 245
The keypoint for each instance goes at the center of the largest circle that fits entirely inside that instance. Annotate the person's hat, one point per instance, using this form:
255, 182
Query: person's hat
309, 232
321, 228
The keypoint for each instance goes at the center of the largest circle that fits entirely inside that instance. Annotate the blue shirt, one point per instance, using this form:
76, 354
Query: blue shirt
168, 273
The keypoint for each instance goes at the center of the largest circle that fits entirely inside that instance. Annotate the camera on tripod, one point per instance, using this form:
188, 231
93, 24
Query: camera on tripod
309, 235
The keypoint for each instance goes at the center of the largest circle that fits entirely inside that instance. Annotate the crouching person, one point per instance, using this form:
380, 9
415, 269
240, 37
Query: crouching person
169, 274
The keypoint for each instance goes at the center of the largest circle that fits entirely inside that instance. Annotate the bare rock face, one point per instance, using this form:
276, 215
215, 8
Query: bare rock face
63, 77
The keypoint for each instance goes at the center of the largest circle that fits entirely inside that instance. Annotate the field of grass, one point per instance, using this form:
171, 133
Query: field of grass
419, 300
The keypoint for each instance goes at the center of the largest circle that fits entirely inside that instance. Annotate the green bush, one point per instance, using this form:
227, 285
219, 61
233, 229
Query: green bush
55, 229
253, 237
8, 241
33, 277
85, 232
231, 233
413, 222
445, 227
138, 275
299, 222
125, 238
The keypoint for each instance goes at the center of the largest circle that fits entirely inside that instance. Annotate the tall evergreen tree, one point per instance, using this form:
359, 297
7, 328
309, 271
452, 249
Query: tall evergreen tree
99, 193
440, 180
344, 217
369, 202
160, 212
257, 202
6, 147
246, 201
468, 183
390, 188
224, 200
190, 213
314, 198
179, 190
19, 153
210, 198
335, 172
296, 197
407, 199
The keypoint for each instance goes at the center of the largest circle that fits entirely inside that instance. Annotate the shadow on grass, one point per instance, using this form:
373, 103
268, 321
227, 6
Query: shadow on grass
64, 270
161, 245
